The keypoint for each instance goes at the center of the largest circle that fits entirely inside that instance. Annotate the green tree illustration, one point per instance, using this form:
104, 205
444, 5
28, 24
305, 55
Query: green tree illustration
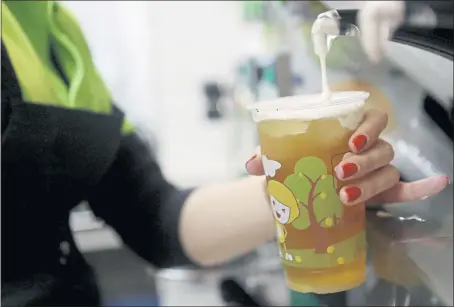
320, 207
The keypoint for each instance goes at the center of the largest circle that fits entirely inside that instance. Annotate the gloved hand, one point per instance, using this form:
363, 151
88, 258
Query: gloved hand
377, 21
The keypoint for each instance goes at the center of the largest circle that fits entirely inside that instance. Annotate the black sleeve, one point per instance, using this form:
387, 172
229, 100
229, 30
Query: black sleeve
134, 198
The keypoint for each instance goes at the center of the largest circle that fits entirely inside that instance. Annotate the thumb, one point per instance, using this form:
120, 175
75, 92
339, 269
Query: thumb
254, 164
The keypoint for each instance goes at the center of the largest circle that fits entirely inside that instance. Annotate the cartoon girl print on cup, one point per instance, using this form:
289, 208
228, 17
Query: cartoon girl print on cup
285, 210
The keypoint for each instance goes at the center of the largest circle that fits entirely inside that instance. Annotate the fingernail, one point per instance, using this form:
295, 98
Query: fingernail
346, 170
350, 194
424, 197
249, 160
360, 142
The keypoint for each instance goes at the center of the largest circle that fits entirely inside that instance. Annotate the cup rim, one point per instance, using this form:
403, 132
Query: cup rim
312, 101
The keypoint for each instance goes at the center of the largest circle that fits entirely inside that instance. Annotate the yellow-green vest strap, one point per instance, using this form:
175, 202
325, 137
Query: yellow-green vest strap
35, 79
92, 93
25, 25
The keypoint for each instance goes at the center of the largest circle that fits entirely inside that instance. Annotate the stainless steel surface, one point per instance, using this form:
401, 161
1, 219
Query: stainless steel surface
414, 253
409, 264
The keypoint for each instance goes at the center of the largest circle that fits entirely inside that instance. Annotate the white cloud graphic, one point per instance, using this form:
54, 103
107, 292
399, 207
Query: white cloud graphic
270, 166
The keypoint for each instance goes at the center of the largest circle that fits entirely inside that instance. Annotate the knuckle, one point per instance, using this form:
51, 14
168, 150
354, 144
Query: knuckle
392, 153
371, 160
363, 162
394, 174
388, 150
371, 189
376, 120
381, 180
380, 116
348, 155
391, 177
383, 117
379, 156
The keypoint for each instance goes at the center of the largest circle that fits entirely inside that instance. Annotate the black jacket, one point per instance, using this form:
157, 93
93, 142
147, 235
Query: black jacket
52, 159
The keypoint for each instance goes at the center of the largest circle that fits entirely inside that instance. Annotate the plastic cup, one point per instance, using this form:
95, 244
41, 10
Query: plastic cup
322, 242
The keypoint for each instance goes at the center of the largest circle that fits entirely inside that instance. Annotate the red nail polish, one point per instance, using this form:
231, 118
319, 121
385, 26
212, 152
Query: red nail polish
353, 193
349, 169
360, 142
250, 159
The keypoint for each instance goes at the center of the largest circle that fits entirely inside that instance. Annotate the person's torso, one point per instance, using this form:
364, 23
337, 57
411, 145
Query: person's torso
60, 133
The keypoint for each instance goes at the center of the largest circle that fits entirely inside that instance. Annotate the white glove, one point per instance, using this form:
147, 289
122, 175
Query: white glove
377, 21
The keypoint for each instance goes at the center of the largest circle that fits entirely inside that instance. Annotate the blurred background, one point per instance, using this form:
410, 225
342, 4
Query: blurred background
185, 70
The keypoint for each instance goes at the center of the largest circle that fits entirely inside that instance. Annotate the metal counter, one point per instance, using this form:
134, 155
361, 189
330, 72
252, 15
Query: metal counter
410, 263
415, 251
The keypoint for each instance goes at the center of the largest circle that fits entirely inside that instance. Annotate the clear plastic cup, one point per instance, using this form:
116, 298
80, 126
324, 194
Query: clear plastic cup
321, 241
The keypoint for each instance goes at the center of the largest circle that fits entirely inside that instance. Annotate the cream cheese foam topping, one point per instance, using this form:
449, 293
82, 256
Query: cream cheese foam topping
345, 106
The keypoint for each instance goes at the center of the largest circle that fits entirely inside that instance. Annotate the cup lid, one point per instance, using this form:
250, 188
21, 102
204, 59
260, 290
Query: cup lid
309, 107
310, 101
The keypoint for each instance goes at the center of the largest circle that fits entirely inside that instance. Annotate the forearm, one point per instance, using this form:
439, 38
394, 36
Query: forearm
222, 221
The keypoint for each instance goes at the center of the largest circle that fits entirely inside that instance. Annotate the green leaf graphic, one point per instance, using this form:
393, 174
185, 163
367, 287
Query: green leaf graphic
327, 205
312, 167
